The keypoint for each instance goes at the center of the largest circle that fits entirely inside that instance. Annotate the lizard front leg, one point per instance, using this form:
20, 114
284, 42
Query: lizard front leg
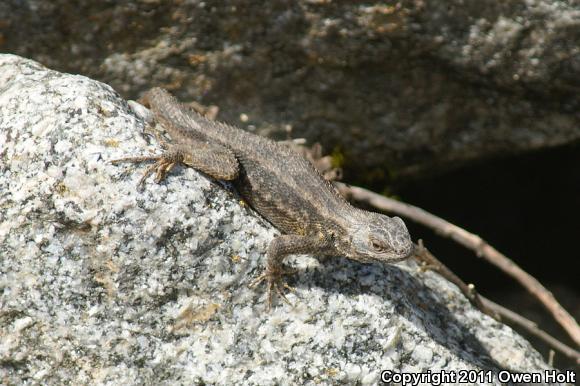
283, 246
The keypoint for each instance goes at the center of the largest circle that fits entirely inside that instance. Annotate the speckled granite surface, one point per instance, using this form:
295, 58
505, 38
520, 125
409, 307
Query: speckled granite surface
103, 284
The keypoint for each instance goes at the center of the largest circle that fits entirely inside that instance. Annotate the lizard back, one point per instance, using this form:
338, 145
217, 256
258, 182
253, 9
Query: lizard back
276, 181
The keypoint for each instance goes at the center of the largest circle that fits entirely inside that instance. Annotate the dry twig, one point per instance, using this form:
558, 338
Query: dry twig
428, 261
490, 308
471, 241
531, 327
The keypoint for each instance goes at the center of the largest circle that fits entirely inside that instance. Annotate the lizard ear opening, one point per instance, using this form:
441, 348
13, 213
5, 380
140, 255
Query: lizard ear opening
364, 246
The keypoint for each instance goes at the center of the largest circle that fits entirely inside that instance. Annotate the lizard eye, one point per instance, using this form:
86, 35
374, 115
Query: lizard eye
377, 247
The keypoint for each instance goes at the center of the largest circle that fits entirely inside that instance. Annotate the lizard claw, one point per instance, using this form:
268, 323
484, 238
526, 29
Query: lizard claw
163, 165
275, 283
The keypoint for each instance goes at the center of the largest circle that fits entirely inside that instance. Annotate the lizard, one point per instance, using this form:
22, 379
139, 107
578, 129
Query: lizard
278, 183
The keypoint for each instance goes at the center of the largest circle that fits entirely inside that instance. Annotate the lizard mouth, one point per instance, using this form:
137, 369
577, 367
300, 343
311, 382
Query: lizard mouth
404, 255
398, 259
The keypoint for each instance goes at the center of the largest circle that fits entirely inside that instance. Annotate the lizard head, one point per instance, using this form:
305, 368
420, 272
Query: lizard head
377, 237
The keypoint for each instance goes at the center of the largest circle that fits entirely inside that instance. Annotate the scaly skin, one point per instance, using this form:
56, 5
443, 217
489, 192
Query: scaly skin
280, 185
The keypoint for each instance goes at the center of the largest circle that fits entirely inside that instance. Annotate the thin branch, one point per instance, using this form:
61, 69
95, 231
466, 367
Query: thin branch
532, 328
490, 308
428, 261
474, 242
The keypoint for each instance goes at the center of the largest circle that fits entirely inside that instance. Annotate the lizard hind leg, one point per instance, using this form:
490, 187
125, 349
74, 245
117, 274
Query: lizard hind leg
163, 165
161, 168
213, 159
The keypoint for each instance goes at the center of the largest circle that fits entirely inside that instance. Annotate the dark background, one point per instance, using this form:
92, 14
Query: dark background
527, 207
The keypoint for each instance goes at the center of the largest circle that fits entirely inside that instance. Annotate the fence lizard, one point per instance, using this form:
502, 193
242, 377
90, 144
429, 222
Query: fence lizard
280, 185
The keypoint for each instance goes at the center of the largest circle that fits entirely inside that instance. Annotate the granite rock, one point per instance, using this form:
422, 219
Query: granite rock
101, 283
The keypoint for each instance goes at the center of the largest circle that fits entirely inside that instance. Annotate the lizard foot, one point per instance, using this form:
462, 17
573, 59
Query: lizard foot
163, 165
275, 283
